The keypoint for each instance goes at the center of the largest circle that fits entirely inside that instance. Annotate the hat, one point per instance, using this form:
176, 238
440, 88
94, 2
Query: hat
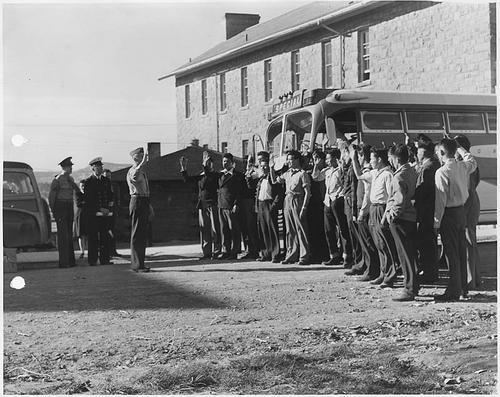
96, 161
136, 151
66, 162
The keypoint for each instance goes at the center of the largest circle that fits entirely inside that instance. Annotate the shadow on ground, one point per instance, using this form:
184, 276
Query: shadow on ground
111, 287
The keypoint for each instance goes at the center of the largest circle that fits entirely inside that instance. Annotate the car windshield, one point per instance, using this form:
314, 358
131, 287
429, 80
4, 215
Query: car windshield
16, 183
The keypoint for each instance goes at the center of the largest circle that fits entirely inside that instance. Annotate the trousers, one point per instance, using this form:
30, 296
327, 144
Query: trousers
404, 233
139, 214
63, 214
98, 239
384, 242
267, 222
297, 243
230, 231
455, 252
210, 236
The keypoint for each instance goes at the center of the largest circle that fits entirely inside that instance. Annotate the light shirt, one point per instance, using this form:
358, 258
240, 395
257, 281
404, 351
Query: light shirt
332, 179
381, 181
452, 183
265, 192
297, 182
230, 172
399, 205
365, 206
137, 181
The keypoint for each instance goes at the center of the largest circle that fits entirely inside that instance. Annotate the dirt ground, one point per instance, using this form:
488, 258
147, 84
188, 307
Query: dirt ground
204, 327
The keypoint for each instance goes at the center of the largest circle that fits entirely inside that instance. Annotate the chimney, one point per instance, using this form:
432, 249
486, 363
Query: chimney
237, 23
195, 142
154, 150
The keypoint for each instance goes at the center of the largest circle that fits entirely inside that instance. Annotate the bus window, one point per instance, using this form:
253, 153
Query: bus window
492, 122
375, 121
466, 122
274, 137
425, 121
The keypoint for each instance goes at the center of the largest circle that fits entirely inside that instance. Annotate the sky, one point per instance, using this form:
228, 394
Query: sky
81, 79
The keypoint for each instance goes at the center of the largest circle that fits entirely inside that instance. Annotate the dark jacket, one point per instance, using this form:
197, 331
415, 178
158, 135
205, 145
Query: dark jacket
208, 183
230, 189
350, 186
97, 194
425, 192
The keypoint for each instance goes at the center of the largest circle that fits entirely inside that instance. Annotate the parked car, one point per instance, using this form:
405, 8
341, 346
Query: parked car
26, 215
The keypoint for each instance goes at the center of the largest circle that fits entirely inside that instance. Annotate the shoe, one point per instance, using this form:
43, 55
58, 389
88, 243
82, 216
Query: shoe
215, 255
276, 260
108, 263
116, 255
386, 285
303, 263
92, 264
263, 259
288, 262
348, 265
365, 278
224, 255
446, 298
135, 270
202, 258
404, 297
146, 270
332, 262
248, 256
377, 281
353, 272
81, 256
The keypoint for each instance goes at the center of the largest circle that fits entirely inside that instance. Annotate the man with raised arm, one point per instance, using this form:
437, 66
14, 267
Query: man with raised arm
140, 209
452, 184
297, 195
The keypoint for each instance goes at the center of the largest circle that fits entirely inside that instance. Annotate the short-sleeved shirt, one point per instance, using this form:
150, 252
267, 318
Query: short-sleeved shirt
137, 181
297, 182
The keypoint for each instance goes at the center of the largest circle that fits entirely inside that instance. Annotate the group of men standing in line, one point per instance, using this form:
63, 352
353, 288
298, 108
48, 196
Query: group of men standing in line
374, 211
96, 213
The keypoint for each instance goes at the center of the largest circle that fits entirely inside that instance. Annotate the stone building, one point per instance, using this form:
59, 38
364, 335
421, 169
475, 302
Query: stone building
224, 94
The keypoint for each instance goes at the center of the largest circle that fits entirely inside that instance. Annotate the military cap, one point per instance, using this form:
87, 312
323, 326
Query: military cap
136, 151
97, 160
66, 162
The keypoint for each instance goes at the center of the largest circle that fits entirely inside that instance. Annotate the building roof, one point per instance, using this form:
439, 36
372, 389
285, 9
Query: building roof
295, 22
167, 168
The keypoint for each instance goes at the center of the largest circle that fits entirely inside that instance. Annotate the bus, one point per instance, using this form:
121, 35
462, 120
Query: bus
26, 215
309, 119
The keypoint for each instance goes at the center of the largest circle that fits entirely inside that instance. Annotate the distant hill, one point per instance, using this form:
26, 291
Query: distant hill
44, 178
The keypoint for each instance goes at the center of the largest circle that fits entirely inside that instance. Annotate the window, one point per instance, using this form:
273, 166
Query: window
295, 70
16, 183
244, 87
204, 100
472, 122
492, 122
326, 61
187, 101
244, 148
223, 147
425, 121
222, 88
268, 83
363, 55
382, 121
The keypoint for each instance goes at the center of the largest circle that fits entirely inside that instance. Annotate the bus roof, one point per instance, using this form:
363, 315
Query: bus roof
410, 98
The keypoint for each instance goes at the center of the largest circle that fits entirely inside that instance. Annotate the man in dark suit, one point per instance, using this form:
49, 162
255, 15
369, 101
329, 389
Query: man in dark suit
98, 197
424, 204
231, 183
208, 213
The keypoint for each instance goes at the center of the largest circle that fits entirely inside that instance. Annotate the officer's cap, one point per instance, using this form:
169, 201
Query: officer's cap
66, 162
136, 151
96, 161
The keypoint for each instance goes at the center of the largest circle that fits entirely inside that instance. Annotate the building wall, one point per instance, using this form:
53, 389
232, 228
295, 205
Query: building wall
414, 46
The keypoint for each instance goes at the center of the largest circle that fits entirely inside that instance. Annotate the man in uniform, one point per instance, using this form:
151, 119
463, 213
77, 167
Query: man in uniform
98, 197
139, 209
112, 218
61, 204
